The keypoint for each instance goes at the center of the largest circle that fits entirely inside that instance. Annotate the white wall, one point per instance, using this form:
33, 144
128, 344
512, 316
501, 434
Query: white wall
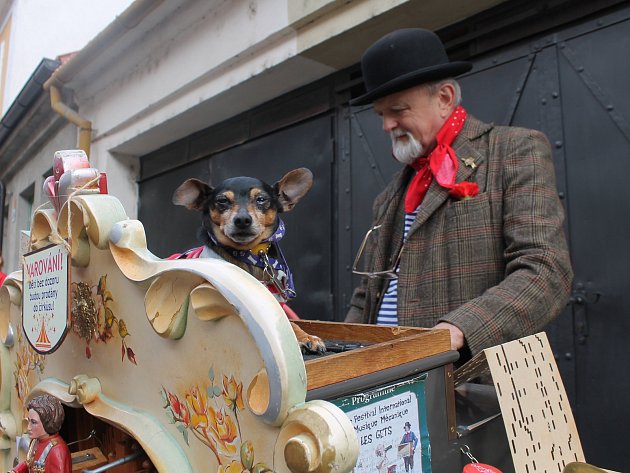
199, 53
33, 173
49, 28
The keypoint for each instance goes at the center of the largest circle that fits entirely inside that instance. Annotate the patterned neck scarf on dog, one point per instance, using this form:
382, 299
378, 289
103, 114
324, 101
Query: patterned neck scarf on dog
276, 267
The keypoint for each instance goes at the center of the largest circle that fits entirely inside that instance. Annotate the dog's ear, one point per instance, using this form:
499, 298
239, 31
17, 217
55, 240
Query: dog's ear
292, 187
192, 194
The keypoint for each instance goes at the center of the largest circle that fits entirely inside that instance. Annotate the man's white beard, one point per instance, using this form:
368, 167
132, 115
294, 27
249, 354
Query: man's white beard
405, 152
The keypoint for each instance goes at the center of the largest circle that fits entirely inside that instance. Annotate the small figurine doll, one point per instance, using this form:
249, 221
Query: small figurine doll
48, 452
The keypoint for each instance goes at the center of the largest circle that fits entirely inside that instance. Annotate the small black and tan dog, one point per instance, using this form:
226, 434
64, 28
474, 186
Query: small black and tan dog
241, 224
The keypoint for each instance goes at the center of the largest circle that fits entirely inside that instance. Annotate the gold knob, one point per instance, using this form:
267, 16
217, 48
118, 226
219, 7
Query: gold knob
302, 453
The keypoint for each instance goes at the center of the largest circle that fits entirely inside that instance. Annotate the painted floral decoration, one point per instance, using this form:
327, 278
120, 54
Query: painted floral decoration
93, 319
27, 361
211, 413
464, 190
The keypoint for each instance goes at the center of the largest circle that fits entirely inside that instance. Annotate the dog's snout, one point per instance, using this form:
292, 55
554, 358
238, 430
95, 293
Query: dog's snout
242, 220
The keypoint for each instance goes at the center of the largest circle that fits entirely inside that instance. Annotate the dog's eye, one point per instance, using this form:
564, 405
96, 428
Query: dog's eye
261, 200
222, 201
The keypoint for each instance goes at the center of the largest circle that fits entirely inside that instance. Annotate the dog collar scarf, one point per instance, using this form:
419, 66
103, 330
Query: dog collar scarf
282, 279
442, 162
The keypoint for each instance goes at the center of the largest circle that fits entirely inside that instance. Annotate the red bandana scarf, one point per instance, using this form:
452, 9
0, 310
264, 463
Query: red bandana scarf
442, 162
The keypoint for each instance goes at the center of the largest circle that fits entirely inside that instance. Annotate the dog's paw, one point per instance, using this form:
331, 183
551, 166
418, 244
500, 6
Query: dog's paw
312, 344
308, 343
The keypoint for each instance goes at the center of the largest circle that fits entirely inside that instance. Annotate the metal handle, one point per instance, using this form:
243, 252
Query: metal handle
466, 429
92, 435
115, 463
581, 298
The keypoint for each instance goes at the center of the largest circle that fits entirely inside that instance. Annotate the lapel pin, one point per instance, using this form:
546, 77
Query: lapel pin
469, 162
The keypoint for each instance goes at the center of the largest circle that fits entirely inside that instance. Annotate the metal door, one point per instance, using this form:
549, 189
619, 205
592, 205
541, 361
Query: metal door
594, 76
572, 85
365, 166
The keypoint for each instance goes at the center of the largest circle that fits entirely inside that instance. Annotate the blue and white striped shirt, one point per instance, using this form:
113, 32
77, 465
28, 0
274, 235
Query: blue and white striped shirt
387, 313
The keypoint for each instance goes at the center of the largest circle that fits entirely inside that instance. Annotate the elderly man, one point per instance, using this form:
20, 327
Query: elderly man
468, 235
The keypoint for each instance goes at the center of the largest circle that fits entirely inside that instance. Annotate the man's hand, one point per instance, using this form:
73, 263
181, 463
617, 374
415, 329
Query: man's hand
457, 336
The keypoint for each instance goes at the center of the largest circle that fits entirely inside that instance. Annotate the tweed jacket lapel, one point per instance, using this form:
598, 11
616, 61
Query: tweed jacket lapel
391, 219
436, 195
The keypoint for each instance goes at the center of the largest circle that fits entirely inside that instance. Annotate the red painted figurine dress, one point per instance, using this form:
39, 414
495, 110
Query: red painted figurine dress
49, 455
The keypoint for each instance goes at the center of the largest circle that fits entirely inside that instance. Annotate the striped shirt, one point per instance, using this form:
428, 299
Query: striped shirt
387, 313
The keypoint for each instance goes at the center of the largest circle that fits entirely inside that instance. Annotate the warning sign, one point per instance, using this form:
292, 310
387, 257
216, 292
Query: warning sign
45, 297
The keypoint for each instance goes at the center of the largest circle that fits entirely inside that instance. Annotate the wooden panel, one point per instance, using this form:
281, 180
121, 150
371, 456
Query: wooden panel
358, 332
409, 345
449, 394
87, 459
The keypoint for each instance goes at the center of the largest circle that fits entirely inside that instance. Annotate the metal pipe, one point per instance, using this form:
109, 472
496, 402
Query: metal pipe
120, 461
85, 126
124, 22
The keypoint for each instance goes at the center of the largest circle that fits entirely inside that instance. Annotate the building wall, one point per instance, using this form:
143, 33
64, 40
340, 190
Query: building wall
207, 61
48, 28
37, 167
185, 67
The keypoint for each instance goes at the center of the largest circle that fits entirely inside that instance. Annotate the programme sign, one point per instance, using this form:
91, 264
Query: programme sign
391, 426
45, 297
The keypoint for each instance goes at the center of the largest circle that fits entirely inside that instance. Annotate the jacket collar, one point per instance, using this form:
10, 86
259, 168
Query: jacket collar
469, 160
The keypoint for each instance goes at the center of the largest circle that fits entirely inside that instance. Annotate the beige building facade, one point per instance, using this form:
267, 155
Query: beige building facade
163, 70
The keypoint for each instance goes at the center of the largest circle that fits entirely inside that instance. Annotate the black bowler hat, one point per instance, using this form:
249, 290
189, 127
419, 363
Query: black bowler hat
403, 59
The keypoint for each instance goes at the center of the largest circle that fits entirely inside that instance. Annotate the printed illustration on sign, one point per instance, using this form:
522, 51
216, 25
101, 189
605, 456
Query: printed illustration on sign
390, 423
45, 297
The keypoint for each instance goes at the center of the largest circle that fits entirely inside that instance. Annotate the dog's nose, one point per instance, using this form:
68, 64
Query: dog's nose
242, 220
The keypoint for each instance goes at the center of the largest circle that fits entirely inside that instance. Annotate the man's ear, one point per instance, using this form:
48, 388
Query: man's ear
192, 194
292, 187
446, 97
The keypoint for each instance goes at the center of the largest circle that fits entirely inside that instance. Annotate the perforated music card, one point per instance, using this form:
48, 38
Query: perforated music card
541, 430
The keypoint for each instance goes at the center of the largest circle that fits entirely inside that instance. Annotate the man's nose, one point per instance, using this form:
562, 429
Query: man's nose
389, 124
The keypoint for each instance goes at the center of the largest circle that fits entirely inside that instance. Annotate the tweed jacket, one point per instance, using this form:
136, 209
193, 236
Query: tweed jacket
497, 265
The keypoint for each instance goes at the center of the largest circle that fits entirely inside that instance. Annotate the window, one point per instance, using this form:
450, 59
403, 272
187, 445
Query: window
25, 210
